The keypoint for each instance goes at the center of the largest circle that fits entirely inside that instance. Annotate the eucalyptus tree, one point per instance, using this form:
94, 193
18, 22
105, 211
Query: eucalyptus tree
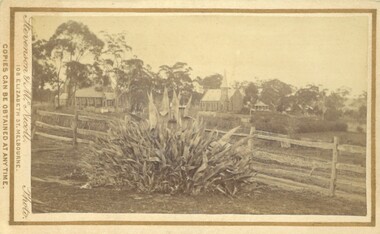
177, 79
128, 76
139, 82
78, 76
43, 71
273, 90
251, 93
72, 42
213, 81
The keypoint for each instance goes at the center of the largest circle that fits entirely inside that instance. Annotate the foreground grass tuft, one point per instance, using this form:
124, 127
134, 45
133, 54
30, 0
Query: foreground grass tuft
166, 159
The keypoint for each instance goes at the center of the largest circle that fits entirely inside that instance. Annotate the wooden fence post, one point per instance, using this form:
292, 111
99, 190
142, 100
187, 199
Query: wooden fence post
75, 126
250, 141
333, 166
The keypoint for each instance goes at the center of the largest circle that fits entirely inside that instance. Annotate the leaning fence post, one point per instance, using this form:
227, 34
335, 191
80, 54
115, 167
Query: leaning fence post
333, 166
250, 141
75, 126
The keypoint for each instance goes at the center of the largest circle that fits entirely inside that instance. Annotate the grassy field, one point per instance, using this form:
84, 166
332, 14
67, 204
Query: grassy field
56, 188
56, 182
351, 138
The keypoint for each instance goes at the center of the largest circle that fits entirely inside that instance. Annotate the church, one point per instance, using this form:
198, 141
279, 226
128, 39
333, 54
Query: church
225, 99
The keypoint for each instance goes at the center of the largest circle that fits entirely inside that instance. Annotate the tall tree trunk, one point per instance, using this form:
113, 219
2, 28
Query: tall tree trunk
58, 83
58, 101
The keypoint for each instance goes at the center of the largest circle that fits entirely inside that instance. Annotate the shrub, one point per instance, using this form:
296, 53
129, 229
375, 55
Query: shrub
271, 122
168, 160
221, 122
283, 124
310, 125
332, 114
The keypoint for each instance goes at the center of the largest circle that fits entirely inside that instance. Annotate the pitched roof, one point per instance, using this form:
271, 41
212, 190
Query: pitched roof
109, 96
260, 103
62, 96
216, 94
241, 91
212, 95
88, 92
92, 92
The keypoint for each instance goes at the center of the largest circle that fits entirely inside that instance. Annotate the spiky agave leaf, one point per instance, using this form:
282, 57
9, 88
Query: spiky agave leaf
167, 160
164, 110
226, 137
153, 113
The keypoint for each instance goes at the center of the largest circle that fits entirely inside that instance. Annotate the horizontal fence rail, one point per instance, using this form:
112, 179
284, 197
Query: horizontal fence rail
312, 144
286, 171
80, 117
299, 172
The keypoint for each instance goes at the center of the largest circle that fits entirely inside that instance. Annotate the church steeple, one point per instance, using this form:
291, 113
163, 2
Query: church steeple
224, 98
224, 81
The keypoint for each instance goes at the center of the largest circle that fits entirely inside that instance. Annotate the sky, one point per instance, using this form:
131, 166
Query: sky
328, 50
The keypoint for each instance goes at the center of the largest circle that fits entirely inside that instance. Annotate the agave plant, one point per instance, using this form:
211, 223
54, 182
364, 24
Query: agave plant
151, 156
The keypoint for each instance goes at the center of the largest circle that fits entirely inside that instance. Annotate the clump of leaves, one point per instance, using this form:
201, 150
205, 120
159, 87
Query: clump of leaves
168, 159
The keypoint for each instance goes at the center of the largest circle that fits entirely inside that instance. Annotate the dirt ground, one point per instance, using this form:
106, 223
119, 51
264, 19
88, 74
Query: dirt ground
53, 192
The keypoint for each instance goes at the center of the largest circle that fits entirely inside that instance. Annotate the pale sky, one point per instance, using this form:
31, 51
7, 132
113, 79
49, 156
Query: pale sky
327, 50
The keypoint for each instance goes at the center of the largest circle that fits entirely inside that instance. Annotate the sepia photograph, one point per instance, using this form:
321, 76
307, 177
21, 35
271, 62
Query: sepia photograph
259, 114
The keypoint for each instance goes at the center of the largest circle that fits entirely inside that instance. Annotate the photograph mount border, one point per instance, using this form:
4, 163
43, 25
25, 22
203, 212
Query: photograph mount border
373, 12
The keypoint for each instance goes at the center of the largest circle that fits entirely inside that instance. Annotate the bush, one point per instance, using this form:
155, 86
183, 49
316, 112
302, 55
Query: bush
168, 160
271, 122
310, 125
332, 114
221, 122
283, 124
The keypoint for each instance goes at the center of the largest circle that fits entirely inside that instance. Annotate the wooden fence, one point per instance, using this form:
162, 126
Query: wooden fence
74, 127
286, 171
298, 172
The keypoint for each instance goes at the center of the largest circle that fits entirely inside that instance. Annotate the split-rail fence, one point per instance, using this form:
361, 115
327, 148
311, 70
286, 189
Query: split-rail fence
288, 171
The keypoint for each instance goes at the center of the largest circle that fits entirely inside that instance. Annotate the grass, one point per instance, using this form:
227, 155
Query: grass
351, 138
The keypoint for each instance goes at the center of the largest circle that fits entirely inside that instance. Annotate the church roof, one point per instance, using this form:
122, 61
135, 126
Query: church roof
260, 103
92, 92
216, 94
212, 95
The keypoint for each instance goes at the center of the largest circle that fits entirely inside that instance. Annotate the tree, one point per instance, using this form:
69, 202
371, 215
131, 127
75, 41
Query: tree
362, 113
273, 90
43, 70
138, 82
70, 42
177, 79
78, 76
251, 93
212, 81
75, 39
311, 99
335, 103
110, 61
287, 103
363, 97
127, 74
97, 76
